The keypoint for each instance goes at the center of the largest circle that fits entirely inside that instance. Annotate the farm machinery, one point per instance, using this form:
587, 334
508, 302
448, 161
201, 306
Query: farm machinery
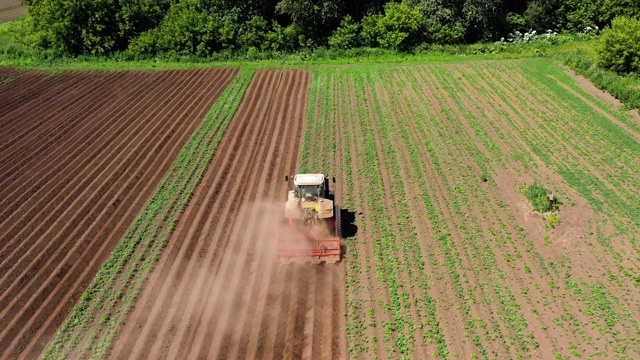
312, 229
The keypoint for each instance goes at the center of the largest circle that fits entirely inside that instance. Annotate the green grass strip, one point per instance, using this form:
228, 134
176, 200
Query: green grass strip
111, 296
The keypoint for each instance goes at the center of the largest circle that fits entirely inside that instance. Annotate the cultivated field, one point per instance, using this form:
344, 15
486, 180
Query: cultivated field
450, 260
11, 10
80, 153
217, 292
445, 259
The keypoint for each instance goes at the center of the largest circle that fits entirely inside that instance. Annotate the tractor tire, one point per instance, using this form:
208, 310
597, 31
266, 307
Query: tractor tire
336, 214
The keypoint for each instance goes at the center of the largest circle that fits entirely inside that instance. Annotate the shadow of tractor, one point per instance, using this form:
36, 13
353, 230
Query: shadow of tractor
349, 228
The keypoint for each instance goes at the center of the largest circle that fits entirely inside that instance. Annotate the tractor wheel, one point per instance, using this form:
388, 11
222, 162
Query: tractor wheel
336, 214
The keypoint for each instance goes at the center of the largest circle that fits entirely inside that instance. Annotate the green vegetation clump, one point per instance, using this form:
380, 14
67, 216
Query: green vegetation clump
400, 28
619, 48
625, 87
538, 197
347, 35
552, 220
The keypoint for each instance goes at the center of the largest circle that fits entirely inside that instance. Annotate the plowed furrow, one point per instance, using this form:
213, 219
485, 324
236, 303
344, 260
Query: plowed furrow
106, 191
53, 129
215, 318
217, 291
111, 189
26, 86
190, 229
247, 320
101, 142
137, 194
85, 144
249, 252
48, 111
56, 242
101, 177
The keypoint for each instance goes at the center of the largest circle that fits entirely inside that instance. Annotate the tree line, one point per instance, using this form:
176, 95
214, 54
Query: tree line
205, 27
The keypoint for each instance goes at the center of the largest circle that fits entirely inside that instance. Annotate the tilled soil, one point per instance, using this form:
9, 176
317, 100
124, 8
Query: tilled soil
80, 153
217, 291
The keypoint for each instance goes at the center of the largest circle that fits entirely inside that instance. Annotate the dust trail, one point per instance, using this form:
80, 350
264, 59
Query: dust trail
251, 288
244, 271
243, 303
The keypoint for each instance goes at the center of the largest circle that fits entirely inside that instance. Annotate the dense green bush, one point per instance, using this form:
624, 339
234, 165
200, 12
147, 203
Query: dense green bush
516, 22
93, 27
576, 15
190, 29
537, 196
613, 8
573, 15
399, 28
187, 29
211, 27
619, 48
313, 20
254, 34
347, 35
446, 34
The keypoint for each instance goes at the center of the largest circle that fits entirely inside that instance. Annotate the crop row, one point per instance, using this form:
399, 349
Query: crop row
112, 294
394, 149
589, 151
471, 206
522, 235
443, 260
343, 95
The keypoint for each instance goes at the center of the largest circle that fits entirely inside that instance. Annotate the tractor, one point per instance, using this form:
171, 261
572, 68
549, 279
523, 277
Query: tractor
312, 222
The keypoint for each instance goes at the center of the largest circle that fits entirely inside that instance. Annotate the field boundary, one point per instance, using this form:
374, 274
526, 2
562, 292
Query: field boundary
103, 307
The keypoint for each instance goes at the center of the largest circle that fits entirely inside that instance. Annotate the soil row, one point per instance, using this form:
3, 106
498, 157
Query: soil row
217, 291
81, 154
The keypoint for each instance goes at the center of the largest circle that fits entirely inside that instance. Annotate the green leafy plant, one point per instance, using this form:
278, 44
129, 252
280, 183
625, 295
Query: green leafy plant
552, 220
619, 48
347, 35
538, 197
400, 28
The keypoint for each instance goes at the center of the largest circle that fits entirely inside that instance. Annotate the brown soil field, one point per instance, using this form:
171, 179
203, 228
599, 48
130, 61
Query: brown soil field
11, 10
80, 153
217, 291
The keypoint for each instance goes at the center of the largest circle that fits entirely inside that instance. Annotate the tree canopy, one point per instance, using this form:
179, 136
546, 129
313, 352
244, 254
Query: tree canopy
204, 27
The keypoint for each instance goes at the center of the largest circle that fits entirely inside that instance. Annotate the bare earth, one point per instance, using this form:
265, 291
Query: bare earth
217, 292
80, 153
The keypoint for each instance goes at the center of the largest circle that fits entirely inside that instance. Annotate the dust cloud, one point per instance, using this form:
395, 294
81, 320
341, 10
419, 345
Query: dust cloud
237, 301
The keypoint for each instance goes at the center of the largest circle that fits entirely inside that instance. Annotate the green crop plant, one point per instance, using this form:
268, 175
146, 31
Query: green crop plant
538, 196
552, 220
394, 135
399, 333
521, 336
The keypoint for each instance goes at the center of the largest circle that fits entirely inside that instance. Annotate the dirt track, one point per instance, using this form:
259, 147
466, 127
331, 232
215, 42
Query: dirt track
11, 10
216, 291
80, 153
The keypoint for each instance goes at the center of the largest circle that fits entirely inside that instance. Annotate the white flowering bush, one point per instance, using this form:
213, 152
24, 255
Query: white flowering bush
517, 37
549, 37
